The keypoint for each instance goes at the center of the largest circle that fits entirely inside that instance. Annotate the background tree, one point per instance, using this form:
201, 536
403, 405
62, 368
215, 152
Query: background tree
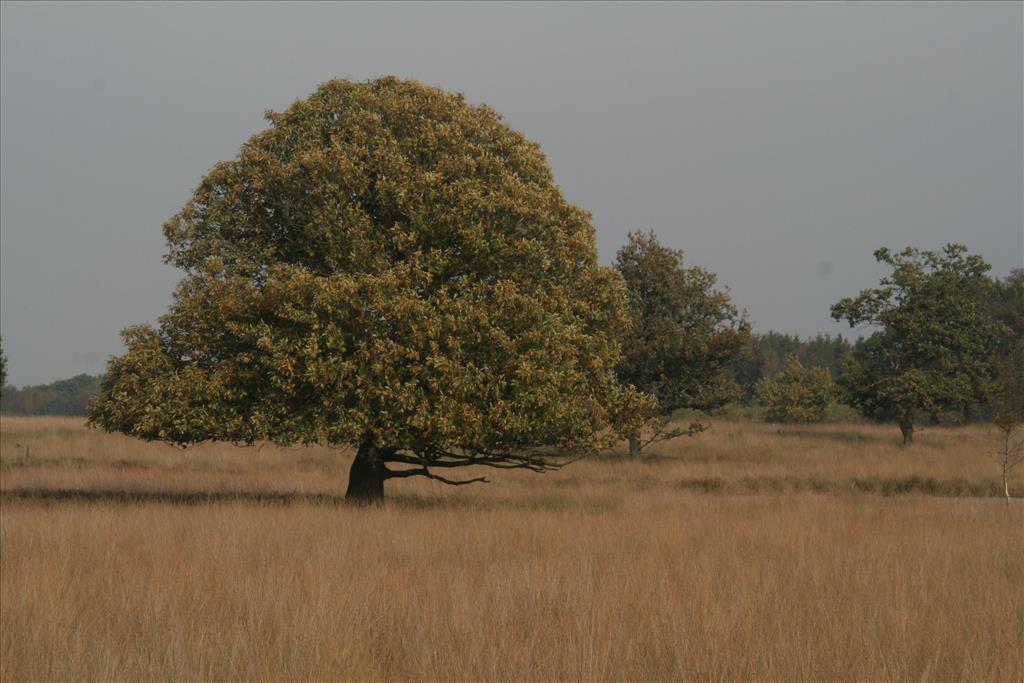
1008, 312
797, 394
933, 349
684, 337
1007, 389
391, 268
3, 369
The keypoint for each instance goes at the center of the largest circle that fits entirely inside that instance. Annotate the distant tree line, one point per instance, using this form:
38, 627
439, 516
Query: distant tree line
64, 397
767, 355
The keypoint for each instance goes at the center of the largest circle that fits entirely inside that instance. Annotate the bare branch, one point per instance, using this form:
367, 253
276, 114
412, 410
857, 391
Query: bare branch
424, 472
536, 462
659, 431
430, 457
455, 482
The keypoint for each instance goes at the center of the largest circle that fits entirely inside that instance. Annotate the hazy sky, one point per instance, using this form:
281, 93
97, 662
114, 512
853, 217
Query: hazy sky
778, 144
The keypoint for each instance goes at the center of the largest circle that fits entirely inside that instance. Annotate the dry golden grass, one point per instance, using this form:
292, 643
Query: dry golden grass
606, 570
733, 457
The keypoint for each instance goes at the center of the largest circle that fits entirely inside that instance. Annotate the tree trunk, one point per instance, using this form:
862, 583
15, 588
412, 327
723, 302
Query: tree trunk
367, 475
634, 444
907, 429
1006, 482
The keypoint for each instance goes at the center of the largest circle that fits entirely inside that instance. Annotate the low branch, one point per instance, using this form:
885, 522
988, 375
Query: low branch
403, 458
424, 459
437, 457
424, 472
659, 432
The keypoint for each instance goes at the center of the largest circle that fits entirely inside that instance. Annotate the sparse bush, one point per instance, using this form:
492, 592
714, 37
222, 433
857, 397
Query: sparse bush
1008, 404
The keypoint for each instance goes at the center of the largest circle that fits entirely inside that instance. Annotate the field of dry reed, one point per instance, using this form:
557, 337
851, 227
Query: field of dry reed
746, 553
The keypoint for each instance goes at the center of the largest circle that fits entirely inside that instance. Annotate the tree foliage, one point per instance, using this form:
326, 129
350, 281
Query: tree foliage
685, 334
1008, 313
797, 394
389, 267
933, 349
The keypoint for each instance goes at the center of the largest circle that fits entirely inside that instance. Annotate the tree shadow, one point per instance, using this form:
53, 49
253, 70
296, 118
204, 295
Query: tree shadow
844, 436
646, 457
120, 497
274, 498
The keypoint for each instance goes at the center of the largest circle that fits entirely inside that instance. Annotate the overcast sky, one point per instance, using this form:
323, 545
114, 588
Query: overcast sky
778, 144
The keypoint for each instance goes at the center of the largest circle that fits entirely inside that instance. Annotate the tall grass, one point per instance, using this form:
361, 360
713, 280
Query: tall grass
733, 457
606, 570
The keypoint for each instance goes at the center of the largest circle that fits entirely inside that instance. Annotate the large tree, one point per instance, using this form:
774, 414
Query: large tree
386, 267
932, 351
684, 337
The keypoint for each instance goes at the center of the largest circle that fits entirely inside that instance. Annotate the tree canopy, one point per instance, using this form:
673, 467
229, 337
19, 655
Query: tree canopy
388, 267
685, 333
933, 349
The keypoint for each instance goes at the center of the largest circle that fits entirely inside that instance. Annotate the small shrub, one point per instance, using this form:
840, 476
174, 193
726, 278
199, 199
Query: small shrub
797, 394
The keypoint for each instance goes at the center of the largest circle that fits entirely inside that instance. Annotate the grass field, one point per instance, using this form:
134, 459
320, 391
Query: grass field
746, 553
